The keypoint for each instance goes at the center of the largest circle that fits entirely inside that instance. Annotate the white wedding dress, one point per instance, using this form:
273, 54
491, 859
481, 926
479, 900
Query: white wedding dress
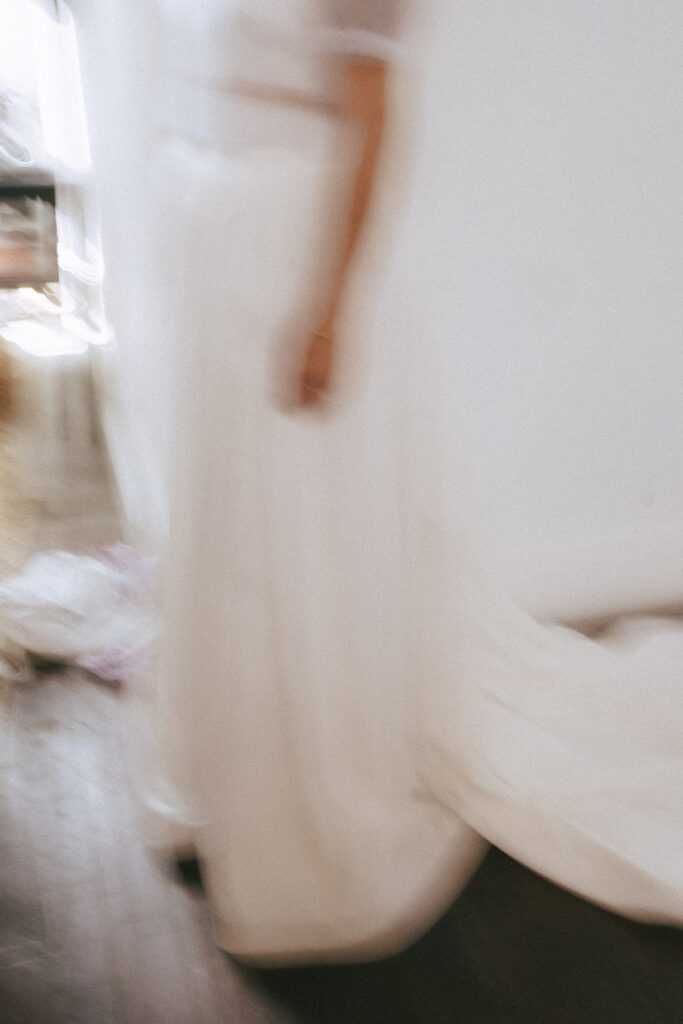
339, 688
284, 721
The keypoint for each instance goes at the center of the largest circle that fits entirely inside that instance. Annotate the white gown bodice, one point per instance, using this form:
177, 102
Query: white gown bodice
276, 46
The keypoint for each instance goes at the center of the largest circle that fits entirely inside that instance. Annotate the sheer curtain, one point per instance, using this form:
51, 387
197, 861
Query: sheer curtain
55, 335
117, 47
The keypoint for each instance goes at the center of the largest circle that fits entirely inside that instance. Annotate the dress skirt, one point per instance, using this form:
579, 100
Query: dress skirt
283, 715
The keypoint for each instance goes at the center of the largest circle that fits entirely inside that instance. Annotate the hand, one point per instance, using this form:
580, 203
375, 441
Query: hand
314, 379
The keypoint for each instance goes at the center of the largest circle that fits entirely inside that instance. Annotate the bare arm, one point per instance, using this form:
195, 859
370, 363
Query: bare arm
364, 104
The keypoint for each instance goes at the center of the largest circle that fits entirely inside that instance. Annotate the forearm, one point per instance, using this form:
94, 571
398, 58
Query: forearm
364, 105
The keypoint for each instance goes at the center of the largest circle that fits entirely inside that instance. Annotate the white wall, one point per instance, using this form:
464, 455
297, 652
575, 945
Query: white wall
549, 214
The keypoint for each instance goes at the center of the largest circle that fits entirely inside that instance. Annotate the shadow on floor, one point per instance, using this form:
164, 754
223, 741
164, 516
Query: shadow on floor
513, 949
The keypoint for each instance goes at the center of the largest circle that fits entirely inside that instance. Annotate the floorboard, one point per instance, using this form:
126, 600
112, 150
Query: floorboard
95, 930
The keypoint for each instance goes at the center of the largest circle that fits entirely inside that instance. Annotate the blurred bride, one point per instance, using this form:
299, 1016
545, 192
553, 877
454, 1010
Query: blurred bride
285, 716
340, 685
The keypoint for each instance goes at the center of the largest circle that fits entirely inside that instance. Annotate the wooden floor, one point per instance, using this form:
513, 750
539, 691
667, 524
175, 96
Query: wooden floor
94, 930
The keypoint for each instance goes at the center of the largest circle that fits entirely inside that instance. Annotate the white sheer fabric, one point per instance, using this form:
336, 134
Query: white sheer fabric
363, 29
259, 44
259, 40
